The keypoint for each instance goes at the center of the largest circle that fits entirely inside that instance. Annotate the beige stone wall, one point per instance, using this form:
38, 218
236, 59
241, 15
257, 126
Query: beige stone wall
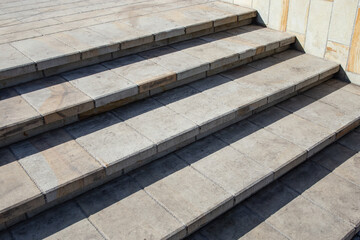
324, 28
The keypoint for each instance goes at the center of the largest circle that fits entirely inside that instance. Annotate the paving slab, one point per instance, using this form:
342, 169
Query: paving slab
123, 34
303, 133
230, 93
99, 10
212, 13
184, 65
88, 42
163, 126
188, 195
211, 53
145, 73
353, 88
55, 98
160, 27
112, 142
18, 36
233, 43
318, 112
186, 17
232, 8
229, 168
295, 216
304, 69
342, 161
62, 222
27, 26
308, 63
331, 192
13, 62
270, 84
101, 84
121, 209
17, 114
271, 39
264, 147
47, 51
198, 107
68, 26
171, 4
18, 193
239, 223
348, 102
57, 164
352, 141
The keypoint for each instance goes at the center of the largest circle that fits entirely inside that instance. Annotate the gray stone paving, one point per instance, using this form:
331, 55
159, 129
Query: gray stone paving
108, 85
118, 143
55, 98
183, 191
56, 36
329, 181
163, 192
100, 84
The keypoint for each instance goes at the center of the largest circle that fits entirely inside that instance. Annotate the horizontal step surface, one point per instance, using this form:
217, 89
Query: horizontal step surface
317, 200
48, 103
75, 43
82, 155
181, 192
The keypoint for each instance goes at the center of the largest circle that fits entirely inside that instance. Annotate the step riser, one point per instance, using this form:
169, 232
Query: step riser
13, 77
18, 214
29, 129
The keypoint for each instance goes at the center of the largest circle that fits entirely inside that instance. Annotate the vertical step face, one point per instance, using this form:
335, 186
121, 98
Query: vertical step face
70, 160
62, 99
251, 163
49, 42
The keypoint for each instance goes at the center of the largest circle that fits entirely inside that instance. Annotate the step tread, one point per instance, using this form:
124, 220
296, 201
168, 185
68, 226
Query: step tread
196, 184
316, 200
118, 141
65, 44
99, 86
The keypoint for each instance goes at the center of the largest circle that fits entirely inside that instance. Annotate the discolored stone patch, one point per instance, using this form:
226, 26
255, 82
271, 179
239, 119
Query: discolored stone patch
55, 98
187, 194
121, 209
62, 222
47, 51
17, 115
145, 73
100, 84
57, 164
18, 193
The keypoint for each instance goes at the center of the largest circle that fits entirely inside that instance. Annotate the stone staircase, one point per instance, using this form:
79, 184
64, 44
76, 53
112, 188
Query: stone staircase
153, 126
317, 200
59, 100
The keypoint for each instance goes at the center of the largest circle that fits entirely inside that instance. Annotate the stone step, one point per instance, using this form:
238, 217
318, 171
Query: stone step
176, 195
87, 38
62, 163
320, 199
45, 104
